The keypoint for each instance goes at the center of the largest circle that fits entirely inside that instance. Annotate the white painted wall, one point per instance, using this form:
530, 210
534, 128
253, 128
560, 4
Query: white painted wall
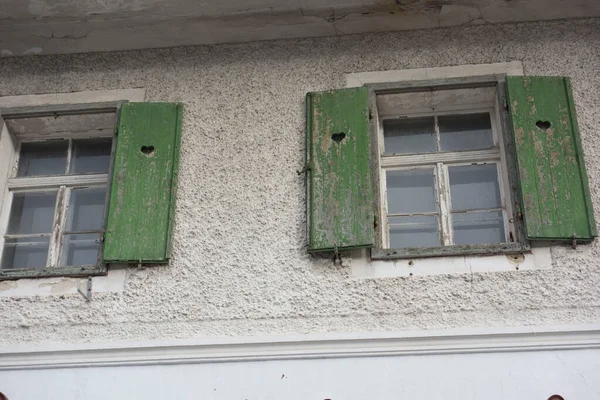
240, 265
574, 374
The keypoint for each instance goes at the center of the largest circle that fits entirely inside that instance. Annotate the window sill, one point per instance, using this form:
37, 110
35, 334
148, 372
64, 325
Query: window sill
363, 266
11, 274
463, 250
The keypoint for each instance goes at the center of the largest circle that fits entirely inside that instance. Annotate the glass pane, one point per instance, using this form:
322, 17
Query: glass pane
86, 209
91, 156
418, 231
474, 187
25, 253
31, 213
409, 135
465, 132
80, 249
410, 191
43, 158
478, 228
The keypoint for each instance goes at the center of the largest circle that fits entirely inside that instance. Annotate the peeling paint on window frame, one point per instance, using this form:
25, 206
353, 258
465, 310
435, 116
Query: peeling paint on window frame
520, 244
100, 268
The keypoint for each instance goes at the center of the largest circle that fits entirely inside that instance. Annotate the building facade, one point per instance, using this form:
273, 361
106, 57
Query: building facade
242, 309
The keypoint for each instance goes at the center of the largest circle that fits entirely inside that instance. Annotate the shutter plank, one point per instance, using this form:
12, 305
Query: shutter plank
339, 187
142, 197
554, 184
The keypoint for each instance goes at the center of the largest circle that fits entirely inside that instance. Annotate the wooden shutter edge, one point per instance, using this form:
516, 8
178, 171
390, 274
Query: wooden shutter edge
307, 168
109, 184
112, 175
580, 159
512, 162
174, 181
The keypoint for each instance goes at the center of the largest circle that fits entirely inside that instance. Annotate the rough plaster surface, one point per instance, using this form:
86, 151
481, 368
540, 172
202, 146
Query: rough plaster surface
239, 263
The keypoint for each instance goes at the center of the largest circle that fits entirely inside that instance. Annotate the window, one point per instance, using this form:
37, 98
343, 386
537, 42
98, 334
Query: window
76, 196
56, 192
481, 165
58, 196
442, 170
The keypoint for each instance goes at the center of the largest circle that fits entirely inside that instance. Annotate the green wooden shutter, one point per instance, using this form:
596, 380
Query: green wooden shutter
554, 183
339, 187
142, 197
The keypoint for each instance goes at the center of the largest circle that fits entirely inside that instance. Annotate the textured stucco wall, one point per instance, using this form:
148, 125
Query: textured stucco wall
239, 265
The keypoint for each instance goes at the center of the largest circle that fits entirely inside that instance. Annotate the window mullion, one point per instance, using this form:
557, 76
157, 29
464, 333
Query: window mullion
58, 226
437, 133
502, 183
382, 179
444, 202
385, 237
69, 153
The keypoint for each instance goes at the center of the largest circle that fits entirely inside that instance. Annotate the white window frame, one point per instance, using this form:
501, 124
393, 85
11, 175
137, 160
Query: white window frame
440, 162
515, 237
63, 184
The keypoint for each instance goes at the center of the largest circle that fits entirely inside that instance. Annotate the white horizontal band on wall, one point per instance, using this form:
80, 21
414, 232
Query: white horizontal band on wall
303, 347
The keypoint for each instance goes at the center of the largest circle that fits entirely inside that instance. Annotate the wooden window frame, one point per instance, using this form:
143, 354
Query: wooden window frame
61, 183
505, 156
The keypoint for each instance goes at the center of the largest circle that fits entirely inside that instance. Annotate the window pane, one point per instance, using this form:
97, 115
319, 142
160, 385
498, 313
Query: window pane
478, 228
86, 209
43, 158
80, 249
31, 213
91, 156
25, 253
418, 231
410, 191
474, 187
465, 132
409, 135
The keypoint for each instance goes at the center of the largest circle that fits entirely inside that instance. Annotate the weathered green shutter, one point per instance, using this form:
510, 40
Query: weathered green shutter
340, 196
142, 197
554, 183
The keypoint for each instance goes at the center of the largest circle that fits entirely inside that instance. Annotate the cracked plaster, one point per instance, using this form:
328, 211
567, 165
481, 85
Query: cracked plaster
239, 263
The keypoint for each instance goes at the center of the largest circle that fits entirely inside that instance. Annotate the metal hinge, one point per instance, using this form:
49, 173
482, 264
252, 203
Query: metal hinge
303, 170
504, 103
336, 254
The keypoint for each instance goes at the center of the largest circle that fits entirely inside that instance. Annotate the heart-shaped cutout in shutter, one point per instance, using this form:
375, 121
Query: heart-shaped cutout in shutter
543, 125
147, 150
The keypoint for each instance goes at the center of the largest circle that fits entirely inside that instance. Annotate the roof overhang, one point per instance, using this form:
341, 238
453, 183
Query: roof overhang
52, 27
